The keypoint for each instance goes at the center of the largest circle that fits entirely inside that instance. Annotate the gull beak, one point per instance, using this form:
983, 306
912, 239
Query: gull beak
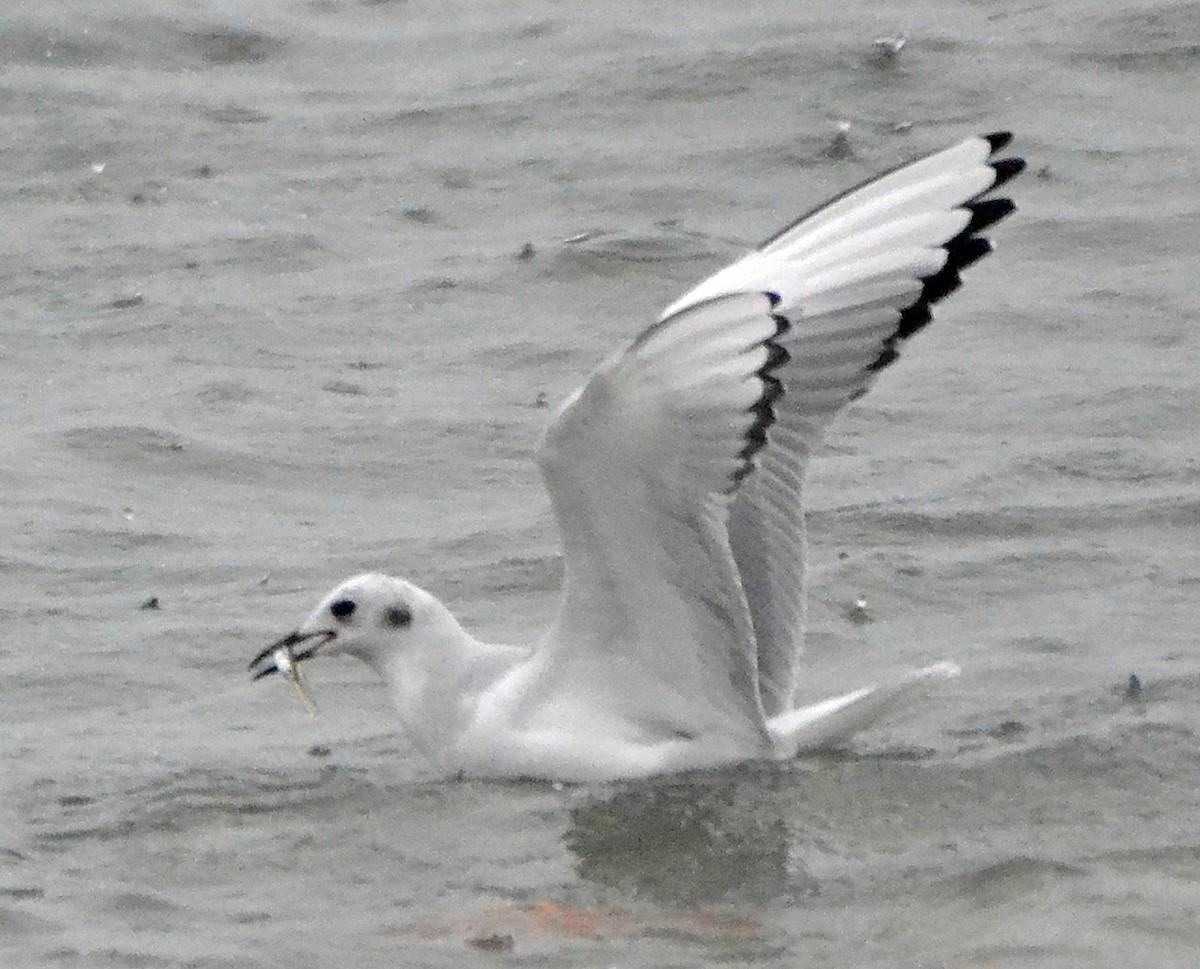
285, 644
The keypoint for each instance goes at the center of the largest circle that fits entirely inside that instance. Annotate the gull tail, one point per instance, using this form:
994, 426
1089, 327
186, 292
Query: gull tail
833, 721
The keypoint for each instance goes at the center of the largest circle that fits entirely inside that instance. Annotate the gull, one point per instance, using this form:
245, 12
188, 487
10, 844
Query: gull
676, 474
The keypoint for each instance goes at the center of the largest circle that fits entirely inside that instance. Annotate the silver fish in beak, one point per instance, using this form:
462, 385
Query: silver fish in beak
287, 661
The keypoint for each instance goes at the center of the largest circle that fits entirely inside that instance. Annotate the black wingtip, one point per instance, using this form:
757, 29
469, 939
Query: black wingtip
763, 409
998, 140
986, 213
1006, 170
916, 317
887, 356
965, 249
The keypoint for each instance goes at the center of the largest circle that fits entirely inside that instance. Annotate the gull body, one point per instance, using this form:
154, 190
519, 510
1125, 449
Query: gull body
676, 476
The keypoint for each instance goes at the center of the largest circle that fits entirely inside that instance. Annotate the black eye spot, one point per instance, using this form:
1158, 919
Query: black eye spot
342, 609
397, 616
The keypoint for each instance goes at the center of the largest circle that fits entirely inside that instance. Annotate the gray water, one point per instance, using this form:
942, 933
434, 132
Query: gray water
263, 325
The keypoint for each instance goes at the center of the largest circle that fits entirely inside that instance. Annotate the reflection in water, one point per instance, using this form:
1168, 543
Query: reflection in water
698, 840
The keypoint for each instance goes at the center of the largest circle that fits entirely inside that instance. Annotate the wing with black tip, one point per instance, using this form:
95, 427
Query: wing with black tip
642, 464
857, 277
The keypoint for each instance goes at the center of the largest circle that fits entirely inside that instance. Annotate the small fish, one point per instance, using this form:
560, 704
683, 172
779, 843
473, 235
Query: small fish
287, 662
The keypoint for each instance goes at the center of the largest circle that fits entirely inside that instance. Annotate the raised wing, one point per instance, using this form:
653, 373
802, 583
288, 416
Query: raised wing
856, 277
642, 465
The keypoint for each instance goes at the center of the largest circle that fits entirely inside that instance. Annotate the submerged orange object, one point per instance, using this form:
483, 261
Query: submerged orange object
503, 926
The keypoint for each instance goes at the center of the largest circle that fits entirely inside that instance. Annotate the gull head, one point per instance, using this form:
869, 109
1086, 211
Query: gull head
373, 617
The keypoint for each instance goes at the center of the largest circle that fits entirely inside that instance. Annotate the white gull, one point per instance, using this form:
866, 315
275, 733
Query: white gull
676, 474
